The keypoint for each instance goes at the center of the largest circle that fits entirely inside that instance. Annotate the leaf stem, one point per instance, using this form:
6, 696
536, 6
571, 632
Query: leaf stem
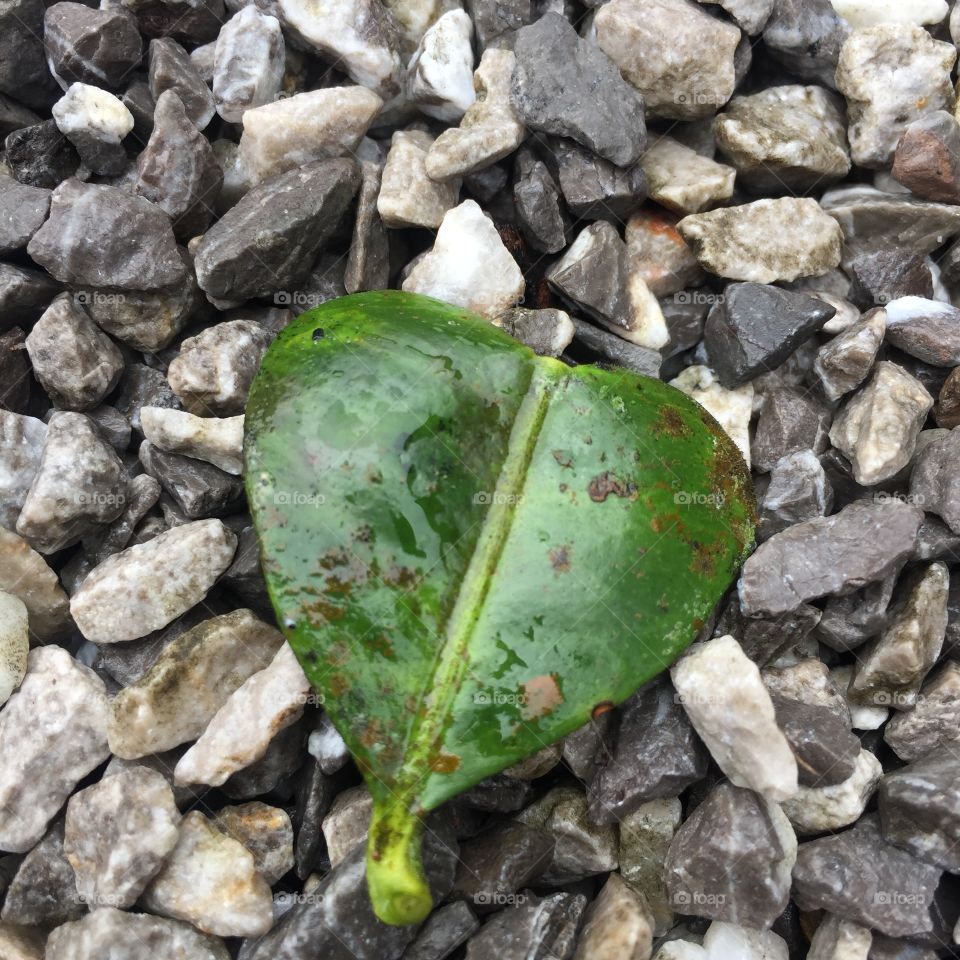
397, 883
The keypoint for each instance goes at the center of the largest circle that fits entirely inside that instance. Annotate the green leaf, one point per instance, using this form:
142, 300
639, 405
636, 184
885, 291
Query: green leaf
471, 548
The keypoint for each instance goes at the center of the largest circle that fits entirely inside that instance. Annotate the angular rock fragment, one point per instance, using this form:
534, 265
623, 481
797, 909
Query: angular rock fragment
189, 682
536, 198
675, 54
40, 155
14, 115
265, 831
73, 360
798, 491
172, 69
468, 266
615, 350
891, 74
495, 19
14, 644
927, 158
844, 362
24, 74
317, 125
118, 833
95, 122
489, 130
89, 45
147, 585
731, 408
347, 823
837, 939
80, 484
368, 262
209, 881
564, 85
102, 236
884, 274
593, 274
248, 63
286, 221
832, 555
196, 489
729, 707
53, 732
177, 170
764, 241
935, 719
445, 930
784, 139
618, 924
947, 409
440, 73
890, 672
682, 180
731, 859
547, 332
25, 574
877, 429
825, 748
21, 449
22, 211
934, 482
790, 422
926, 329
408, 197
659, 255
125, 936
893, 896
213, 439
529, 926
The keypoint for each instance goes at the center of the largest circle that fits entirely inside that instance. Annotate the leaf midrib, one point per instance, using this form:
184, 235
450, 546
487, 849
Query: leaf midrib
451, 665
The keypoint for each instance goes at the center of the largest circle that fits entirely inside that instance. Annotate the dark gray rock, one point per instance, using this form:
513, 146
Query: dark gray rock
927, 160
89, 45
139, 101
24, 294
15, 115
926, 329
920, 808
178, 170
594, 188
859, 876
314, 794
74, 361
936, 541
285, 221
186, 21
756, 327
536, 199
829, 555
569, 87
851, 620
496, 864
763, 640
806, 37
143, 493
23, 209
41, 156
825, 747
547, 332
273, 772
684, 314
198, 488
790, 422
23, 65
616, 351
338, 922
731, 859
43, 892
844, 362
368, 261
885, 274
656, 755
14, 371
531, 929
244, 577
499, 794
935, 480
103, 236
934, 722
171, 68
142, 386
445, 930
798, 491
494, 18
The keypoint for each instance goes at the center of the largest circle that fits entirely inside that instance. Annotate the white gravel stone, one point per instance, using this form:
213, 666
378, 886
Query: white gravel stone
868, 13
732, 409
726, 941
95, 121
408, 197
217, 440
468, 266
23, 943
619, 925
839, 939
210, 881
314, 125
243, 727
25, 574
862, 716
117, 833
682, 180
891, 74
489, 130
750, 15
816, 809
328, 747
767, 240
109, 934
21, 447
144, 587
357, 35
175, 700
53, 732
248, 63
679, 57
440, 73
347, 823
14, 644
729, 707
878, 427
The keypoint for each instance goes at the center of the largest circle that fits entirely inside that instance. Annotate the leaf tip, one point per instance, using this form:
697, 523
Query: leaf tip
398, 887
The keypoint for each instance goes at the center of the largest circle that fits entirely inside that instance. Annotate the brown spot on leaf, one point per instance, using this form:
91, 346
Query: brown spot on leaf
607, 483
670, 422
445, 763
601, 708
563, 457
541, 696
560, 558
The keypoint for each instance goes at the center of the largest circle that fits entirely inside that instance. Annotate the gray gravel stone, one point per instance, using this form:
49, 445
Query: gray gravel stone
95, 122
25, 574
660, 256
825, 747
844, 362
494, 18
368, 262
171, 69
187, 21
80, 484
851, 620
731, 859
926, 329
14, 372
265, 831
14, 115
102, 236
23, 209
531, 927
408, 197
836, 554
21, 448
536, 198
881, 275
619, 923
566, 86
23, 69
927, 159
547, 332
40, 155
615, 350
798, 491
806, 37
934, 482
287, 245
445, 930
178, 170
24, 293
790, 422
935, 719
859, 876
198, 489
248, 63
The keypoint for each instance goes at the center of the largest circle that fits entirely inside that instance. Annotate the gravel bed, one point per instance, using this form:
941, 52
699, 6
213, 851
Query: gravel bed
755, 200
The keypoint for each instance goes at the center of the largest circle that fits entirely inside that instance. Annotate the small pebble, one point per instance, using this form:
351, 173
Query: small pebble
40, 155
790, 422
547, 332
617, 926
934, 482
170, 68
14, 644
216, 440
408, 197
682, 180
539, 209
265, 831
23, 210
837, 939
25, 574
927, 158
347, 823
844, 362
248, 63
22, 439
440, 73
95, 122
659, 255
926, 329
530, 925
935, 719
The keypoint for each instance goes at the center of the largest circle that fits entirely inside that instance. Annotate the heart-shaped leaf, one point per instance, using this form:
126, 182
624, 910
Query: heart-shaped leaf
471, 548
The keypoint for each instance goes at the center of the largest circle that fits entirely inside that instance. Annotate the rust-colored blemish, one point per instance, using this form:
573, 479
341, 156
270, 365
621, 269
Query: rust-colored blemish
560, 558
445, 763
541, 696
601, 708
563, 457
607, 483
698, 624
671, 423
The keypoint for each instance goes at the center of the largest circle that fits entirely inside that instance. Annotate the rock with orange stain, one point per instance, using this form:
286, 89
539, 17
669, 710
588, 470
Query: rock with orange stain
659, 255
